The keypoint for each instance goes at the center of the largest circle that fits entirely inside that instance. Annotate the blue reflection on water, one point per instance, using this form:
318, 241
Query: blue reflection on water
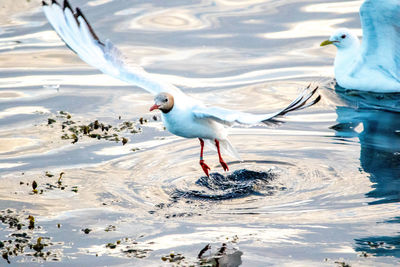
375, 120
381, 245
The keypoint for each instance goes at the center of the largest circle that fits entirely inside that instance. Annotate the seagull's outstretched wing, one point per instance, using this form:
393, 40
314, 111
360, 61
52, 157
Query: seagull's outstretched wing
380, 21
230, 117
78, 35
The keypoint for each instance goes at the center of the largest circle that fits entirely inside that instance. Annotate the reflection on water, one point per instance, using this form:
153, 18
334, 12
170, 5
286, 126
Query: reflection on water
378, 132
376, 245
375, 121
321, 188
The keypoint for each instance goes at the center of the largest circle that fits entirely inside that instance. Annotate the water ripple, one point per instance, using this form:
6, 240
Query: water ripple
239, 184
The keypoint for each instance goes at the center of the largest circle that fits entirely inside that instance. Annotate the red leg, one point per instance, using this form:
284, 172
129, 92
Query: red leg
202, 164
221, 161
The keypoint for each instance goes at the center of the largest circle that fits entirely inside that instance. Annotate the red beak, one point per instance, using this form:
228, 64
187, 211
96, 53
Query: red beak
153, 107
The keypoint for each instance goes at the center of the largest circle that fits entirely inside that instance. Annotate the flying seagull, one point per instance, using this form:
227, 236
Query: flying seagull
181, 114
375, 64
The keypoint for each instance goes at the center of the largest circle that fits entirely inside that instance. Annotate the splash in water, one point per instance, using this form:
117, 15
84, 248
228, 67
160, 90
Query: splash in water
239, 184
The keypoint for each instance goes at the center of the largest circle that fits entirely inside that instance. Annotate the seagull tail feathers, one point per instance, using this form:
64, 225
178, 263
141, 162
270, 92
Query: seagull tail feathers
301, 102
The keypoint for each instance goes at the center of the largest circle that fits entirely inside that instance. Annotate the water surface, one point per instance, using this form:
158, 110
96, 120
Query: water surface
321, 188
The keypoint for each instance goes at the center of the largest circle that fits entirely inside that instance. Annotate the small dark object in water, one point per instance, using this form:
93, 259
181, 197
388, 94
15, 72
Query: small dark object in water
172, 257
96, 125
203, 251
59, 178
34, 185
75, 138
38, 246
31, 222
124, 140
342, 264
110, 228
50, 121
222, 250
5, 256
48, 174
111, 245
86, 230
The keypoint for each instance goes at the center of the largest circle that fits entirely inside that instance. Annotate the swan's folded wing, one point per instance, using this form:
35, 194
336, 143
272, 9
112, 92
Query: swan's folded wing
380, 47
78, 35
231, 117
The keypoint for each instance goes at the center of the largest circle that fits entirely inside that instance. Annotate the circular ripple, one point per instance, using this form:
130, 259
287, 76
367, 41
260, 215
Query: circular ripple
239, 184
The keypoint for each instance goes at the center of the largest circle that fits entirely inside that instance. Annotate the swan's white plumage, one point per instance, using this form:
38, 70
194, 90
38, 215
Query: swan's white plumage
375, 65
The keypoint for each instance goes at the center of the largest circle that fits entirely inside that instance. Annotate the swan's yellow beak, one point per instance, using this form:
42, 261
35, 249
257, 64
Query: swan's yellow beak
326, 42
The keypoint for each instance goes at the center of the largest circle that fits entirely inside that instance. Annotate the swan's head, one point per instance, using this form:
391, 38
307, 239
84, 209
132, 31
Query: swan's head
342, 38
163, 102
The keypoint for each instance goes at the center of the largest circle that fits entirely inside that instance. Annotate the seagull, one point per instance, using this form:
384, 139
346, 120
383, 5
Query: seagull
181, 114
375, 64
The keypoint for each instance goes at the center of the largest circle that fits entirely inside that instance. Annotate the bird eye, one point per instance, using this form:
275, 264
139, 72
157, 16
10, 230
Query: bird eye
343, 36
165, 100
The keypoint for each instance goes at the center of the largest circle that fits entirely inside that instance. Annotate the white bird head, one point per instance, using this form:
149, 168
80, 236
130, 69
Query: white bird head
342, 38
164, 102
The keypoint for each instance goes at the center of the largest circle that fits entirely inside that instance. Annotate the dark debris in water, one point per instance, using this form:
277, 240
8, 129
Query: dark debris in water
222, 256
129, 248
75, 131
59, 184
342, 264
239, 184
86, 230
22, 239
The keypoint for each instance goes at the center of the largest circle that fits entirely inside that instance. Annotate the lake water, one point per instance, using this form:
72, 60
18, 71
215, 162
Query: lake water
322, 189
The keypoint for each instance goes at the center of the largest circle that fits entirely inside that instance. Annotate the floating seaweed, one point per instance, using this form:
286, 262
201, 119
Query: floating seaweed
72, 130
20, 242
31, 222
110, 228
59, 184
129, 248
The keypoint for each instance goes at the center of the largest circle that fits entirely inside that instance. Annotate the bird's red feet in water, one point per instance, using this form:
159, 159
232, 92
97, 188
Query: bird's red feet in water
221, 161
224, 165
205, 167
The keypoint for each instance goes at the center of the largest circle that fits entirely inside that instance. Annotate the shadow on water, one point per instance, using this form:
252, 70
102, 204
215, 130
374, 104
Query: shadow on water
239, 184
375, 120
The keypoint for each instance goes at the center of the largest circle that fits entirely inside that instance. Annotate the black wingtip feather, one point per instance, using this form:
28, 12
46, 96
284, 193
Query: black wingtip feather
44, 3
298, 104
54, 2
316, 100
67, 5
94, 35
